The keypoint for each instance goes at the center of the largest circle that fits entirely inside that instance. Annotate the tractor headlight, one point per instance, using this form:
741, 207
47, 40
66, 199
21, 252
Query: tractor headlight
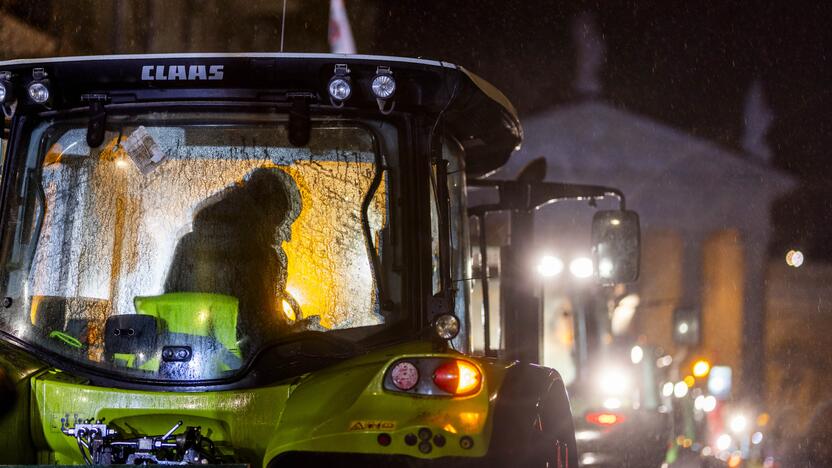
446, 326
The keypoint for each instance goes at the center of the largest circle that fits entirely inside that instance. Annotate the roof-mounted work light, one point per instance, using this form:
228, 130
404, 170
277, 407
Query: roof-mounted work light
384, 88
340, 87
6, 89
38, 89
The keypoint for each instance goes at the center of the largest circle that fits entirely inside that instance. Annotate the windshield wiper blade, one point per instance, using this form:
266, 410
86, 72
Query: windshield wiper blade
313, 344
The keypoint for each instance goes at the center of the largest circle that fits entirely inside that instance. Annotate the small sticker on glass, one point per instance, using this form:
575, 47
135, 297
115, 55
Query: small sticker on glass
143, 150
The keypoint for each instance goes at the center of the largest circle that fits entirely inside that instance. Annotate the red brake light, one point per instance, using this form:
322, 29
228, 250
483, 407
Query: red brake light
457, 377
605, 419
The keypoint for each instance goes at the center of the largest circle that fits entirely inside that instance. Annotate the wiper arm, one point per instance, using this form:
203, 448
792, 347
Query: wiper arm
299, 344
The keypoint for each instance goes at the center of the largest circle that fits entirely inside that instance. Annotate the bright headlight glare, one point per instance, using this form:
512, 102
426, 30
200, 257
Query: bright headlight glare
384, 86
613, 381
738, 423
636, 354
723, 442
2, 92
680, 389
549, 266
581, 267
38, 92
340, 89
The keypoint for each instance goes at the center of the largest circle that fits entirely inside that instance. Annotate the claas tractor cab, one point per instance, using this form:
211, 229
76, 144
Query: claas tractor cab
259, 259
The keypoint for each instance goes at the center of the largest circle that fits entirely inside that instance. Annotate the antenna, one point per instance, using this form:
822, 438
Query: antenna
282, 25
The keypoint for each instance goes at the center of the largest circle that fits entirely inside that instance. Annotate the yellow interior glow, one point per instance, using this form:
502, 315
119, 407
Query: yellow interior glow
287, 310
469, 377
328, 268
449, 428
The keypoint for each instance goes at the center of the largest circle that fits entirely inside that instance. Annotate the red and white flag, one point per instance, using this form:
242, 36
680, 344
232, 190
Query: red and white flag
340, 34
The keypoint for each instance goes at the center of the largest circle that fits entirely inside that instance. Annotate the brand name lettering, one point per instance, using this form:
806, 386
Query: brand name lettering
181, 72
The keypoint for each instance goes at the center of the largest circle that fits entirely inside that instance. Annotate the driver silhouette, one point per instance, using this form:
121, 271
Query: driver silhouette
235, 246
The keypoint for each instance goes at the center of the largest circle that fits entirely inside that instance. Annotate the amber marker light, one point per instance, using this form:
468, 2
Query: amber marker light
701, 368
458, 377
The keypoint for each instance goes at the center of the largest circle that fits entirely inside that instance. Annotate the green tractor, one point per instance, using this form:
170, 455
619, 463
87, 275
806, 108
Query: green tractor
263, 259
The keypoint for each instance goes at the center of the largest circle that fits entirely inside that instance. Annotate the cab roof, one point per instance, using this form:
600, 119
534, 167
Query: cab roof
478, 115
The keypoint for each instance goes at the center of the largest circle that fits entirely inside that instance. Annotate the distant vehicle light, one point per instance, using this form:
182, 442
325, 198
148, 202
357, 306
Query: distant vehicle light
701, 368
636, 354
738, 423
38, 92
612, 403
683, 328
605, 419
404, 375
667, 389
720, 381
384, 85
723, 442
581, 267
664, 361
605, 267
709, 404
458, 377
2, 92
680, 389
757, 438
794, 258
613, 381
549, 266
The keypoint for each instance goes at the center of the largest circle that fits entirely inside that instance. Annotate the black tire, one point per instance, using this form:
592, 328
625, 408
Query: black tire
533, 421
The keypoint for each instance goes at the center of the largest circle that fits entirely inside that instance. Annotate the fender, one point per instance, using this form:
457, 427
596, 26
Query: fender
533, 420
17, 367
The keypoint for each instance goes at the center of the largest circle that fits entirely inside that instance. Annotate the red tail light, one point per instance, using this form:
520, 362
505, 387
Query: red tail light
458, 377
605, 419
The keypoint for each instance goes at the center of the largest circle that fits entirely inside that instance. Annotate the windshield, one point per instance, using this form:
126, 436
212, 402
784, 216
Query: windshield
176, 250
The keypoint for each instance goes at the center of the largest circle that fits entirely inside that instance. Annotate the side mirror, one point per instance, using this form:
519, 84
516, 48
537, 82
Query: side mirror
616, 246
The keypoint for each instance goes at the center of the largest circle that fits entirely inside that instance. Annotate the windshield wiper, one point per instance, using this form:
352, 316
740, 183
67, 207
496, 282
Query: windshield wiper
312, 344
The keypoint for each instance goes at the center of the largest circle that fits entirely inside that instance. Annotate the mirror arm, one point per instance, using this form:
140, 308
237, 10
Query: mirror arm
527, 196
548, 192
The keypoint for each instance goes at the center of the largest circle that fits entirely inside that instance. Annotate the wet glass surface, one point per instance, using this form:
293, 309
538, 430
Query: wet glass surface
227, 237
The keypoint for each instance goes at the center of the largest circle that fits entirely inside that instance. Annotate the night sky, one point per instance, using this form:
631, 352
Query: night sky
686, 64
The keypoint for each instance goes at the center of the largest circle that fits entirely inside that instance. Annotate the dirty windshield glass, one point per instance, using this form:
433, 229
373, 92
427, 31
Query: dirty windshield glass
176, 251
